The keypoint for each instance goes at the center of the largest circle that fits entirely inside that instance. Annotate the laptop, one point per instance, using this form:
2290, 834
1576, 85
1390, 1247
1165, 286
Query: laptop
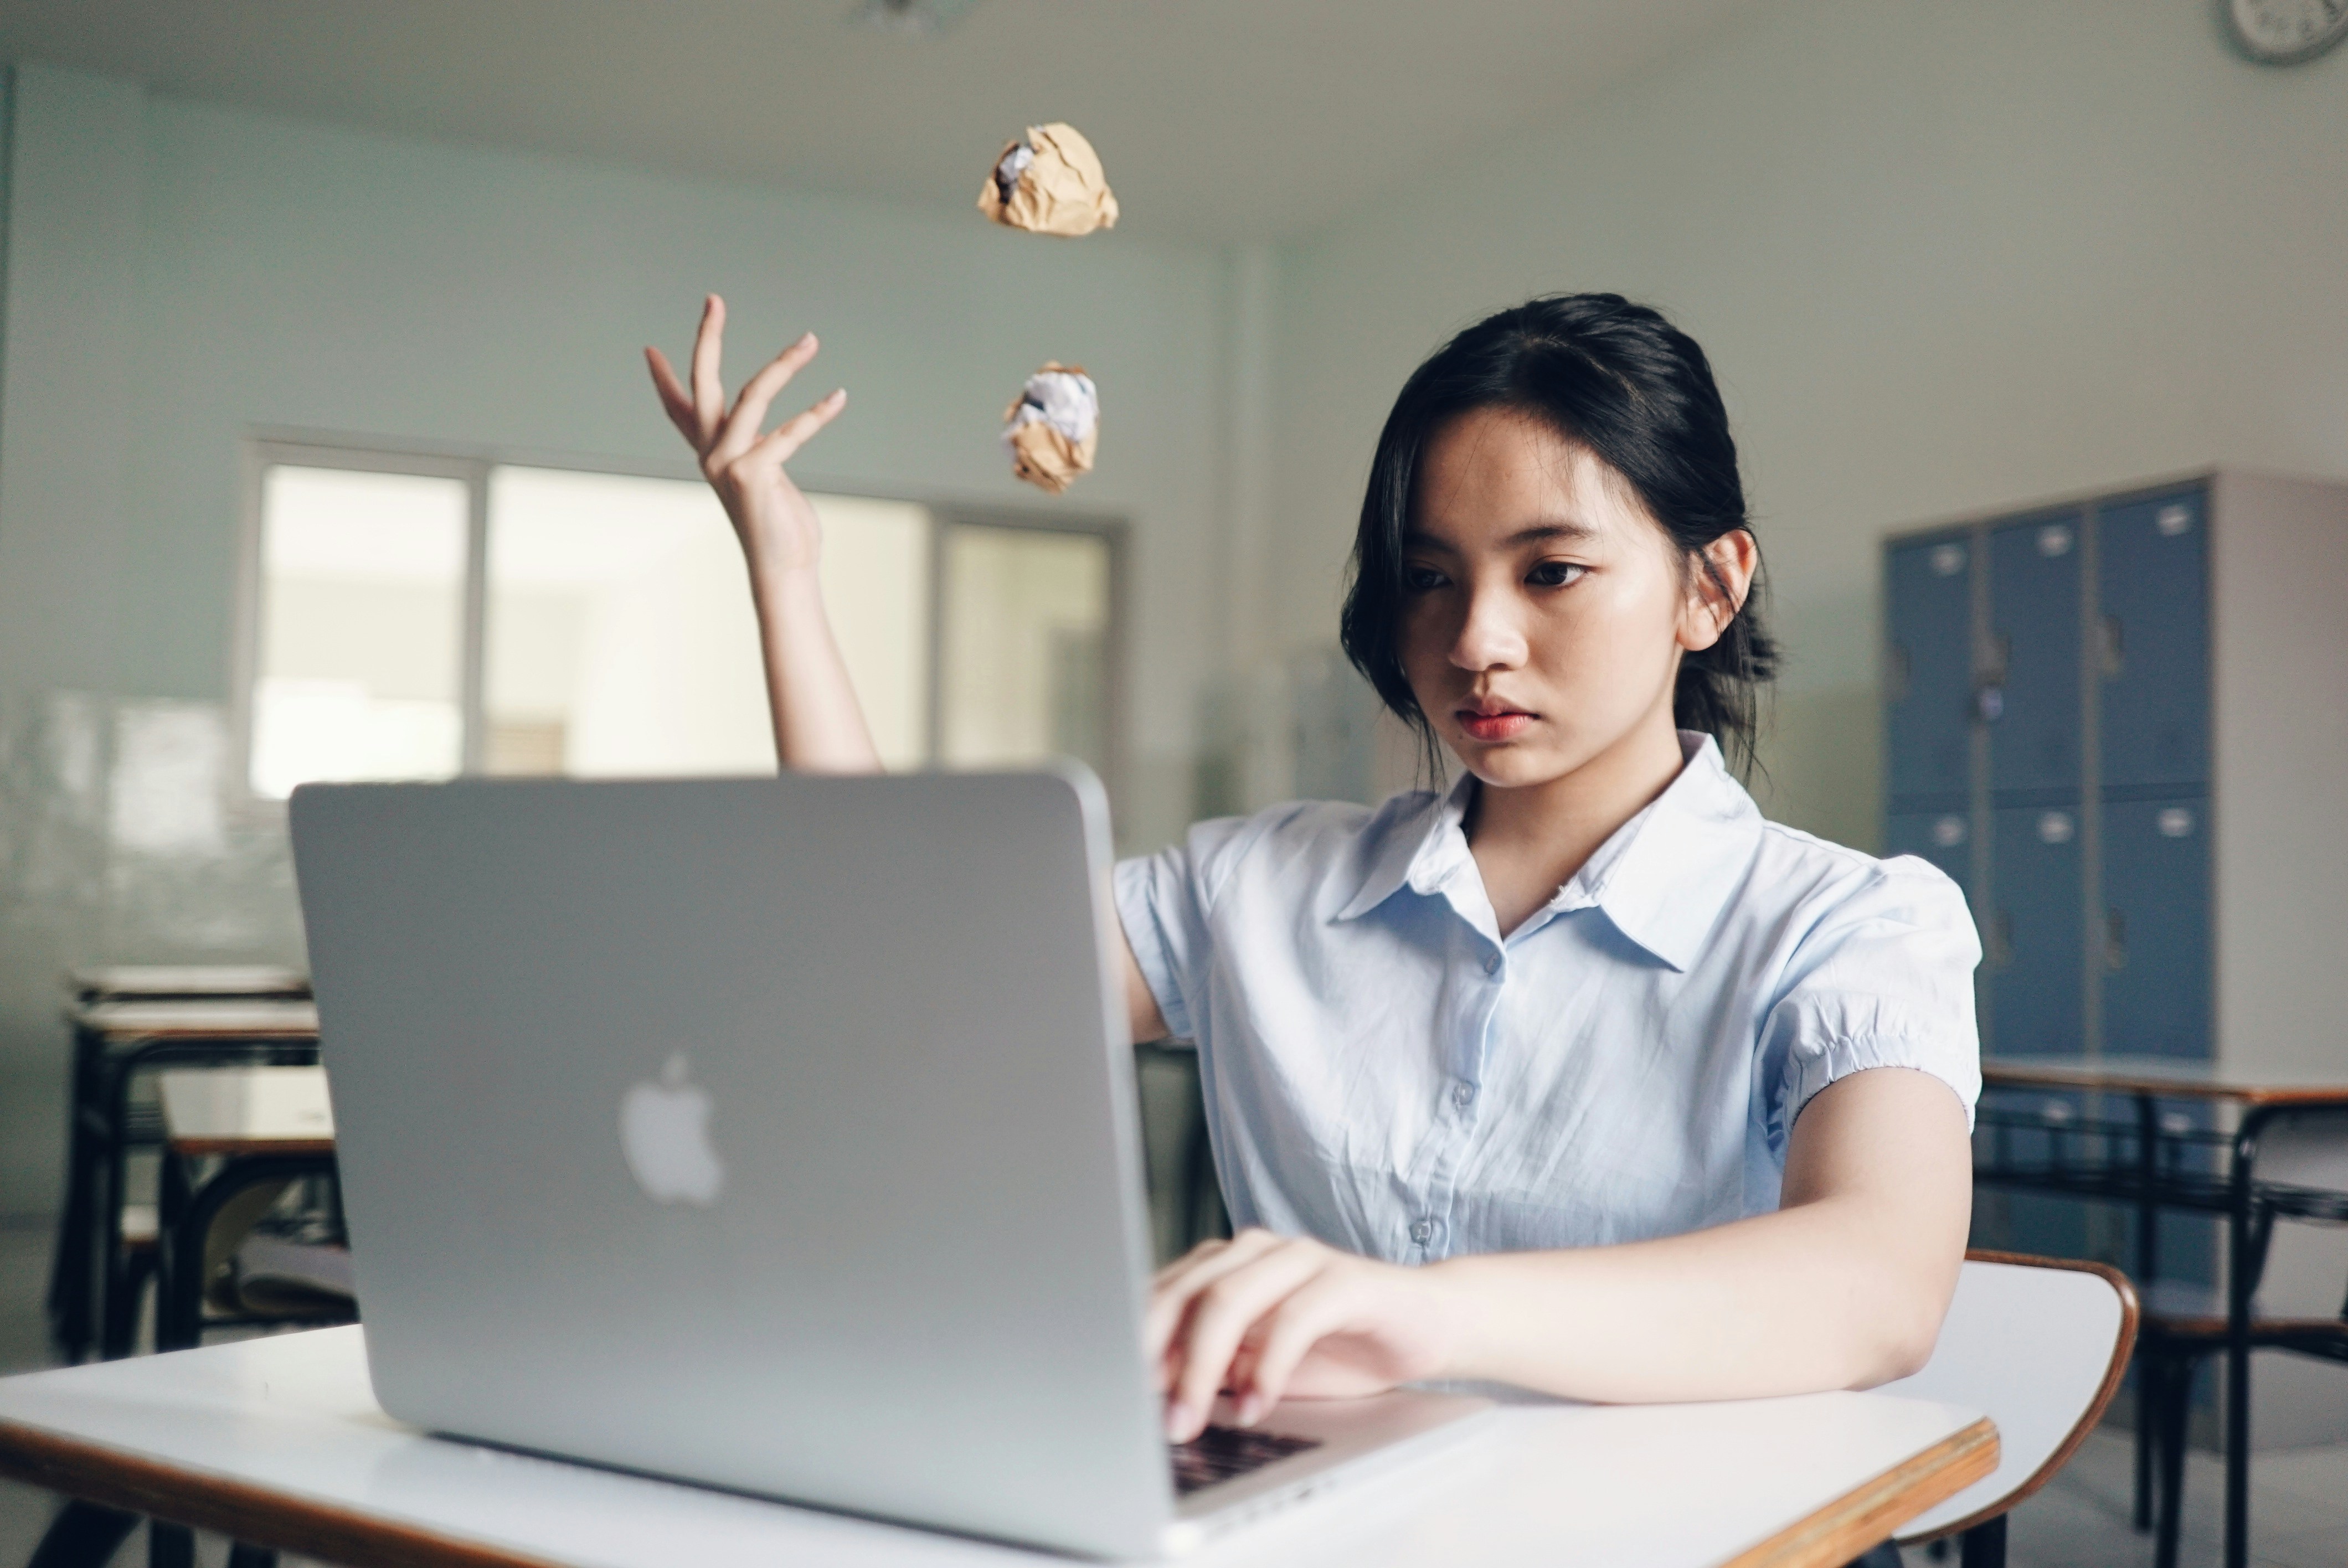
776, 1134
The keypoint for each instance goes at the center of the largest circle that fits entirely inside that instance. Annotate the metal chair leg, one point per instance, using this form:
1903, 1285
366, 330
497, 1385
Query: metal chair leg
83, 1536
170, 1545
1983, 1546
2176, 1411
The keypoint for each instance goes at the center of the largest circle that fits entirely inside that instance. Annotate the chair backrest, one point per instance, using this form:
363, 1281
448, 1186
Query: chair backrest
2305, 1146
2038, 1345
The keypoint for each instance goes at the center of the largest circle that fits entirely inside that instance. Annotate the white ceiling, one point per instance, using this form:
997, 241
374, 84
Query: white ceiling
1217, 120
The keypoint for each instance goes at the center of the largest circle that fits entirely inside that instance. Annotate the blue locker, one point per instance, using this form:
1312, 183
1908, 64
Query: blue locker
1942, 837
1928, 690
2036, 1223
2156, 931
2152, 581
2036, 946
2033, 599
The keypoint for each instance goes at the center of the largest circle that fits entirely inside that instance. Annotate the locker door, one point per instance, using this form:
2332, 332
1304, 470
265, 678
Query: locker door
2050, 1130
2035, 944
1942, 837
2157, 929
1928, 687
2152, 590
2033, 599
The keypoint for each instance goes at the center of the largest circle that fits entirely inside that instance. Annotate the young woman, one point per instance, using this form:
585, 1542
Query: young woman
1581, 1076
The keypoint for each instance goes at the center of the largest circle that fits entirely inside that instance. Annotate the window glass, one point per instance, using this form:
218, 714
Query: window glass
876, 585
621, 639
362, 627
1026, 613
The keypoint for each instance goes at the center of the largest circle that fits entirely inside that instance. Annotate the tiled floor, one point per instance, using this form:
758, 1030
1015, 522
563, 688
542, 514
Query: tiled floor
2300, 1502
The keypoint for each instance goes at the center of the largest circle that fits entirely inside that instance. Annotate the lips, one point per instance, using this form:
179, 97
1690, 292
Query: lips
1494, 721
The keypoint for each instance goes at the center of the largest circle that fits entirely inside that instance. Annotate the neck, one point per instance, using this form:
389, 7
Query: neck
1529, 839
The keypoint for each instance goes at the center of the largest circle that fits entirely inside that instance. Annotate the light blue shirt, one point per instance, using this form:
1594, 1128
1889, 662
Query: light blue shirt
1385, 1074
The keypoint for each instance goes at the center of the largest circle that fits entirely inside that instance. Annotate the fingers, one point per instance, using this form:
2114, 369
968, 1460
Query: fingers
780, 443
1220, 1319
673, 398
1302, 1321
708, 390
741, 428
1178, 1282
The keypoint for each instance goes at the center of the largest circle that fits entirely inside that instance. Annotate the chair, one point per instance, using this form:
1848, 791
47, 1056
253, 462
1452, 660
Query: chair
2039, 1344
2299, 1174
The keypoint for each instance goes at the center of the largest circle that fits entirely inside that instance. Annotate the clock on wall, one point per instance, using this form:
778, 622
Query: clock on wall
2285, 32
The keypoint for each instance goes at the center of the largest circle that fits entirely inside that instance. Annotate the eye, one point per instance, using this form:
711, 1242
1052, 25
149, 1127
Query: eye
1555, 574
1423, 578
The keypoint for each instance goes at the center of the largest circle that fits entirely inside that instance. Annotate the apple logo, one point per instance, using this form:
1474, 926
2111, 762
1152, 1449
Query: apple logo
664, 1133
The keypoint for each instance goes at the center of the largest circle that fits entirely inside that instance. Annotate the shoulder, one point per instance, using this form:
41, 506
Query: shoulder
1301, 847
1835, 902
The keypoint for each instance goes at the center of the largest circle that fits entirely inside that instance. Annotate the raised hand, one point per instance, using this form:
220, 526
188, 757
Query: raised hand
818, 725
1264, 1317
777, 527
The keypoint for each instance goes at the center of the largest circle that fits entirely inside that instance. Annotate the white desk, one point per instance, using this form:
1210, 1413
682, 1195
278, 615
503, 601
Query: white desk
280, 1442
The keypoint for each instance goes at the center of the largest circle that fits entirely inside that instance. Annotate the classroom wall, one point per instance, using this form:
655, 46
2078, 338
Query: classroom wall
1944, 258
183, 274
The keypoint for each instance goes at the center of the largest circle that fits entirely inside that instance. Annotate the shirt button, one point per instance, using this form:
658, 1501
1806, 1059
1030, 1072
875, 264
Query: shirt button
1421, 1230
1492, 965
1461, 1093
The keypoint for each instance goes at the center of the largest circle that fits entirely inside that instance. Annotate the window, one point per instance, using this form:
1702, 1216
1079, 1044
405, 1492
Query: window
416, 617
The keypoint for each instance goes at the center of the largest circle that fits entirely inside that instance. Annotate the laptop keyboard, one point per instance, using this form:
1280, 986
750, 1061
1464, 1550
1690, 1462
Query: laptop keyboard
1222, 1453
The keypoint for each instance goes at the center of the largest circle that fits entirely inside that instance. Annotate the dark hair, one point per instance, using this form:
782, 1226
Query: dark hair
1622, 382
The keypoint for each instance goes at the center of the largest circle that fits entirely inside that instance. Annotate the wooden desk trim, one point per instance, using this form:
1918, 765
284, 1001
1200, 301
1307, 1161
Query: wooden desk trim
1831, 1536
96, 1473
2087, 1076
206, 1144
1864, 1518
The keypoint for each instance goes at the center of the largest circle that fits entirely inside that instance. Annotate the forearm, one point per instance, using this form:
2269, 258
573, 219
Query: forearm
819, 723
1843, 1286
1790, 1302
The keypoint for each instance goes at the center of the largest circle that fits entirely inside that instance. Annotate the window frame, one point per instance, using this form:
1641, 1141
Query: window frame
265, 449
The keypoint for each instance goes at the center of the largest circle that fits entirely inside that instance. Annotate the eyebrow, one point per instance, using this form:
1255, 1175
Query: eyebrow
1538, 533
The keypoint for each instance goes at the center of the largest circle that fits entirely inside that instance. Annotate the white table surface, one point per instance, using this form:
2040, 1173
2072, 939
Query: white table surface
258, 1106
293, 1415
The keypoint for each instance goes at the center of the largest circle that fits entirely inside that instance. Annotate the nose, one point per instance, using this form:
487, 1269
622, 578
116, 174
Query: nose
1491, 636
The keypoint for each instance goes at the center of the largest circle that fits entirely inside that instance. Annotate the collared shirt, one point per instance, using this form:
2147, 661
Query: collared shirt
1383, 1071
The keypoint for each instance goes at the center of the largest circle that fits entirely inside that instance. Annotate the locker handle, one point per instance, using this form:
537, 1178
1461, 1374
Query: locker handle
1896, 677
1988, 703
2000, 939
2111, 652
2114, 941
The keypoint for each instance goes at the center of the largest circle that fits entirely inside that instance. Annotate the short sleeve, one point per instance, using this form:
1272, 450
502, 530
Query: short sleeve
1163, 901
1883, 979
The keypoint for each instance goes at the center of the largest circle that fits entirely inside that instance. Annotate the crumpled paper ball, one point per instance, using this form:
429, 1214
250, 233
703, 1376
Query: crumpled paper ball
1049, 182
1053, 427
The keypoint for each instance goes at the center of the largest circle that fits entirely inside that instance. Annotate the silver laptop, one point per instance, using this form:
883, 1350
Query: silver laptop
776, 1134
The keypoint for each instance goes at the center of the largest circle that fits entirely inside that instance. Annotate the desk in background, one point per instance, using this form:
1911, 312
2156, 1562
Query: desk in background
2135, 1162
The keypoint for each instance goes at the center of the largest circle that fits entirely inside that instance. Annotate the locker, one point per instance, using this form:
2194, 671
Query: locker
1942, 837
1928, 690
2032, 702
2152, 591
2155, 935
2036, 946
2037, 1223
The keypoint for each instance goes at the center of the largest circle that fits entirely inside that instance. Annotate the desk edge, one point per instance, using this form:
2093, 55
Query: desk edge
1873, 1512
92, 1472
2089, 1080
